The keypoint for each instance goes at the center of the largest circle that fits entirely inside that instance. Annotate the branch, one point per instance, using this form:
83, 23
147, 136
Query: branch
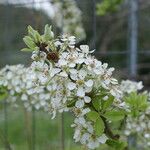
108, 130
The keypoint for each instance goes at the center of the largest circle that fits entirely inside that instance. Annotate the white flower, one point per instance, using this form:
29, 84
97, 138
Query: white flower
130, 86
84, 48
24, 97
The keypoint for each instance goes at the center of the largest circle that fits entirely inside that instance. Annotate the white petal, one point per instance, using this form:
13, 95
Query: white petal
102, 139
62, 62
24, 97
87, 99
82, 74
105, 98
85, 138
73, 76
84, 48
63, 74
73, 71
80, 60
85, 111
71, 86
105, 65
114, 81
54, 71
80, 92
88, 89
89, 83
79, 104
72, 65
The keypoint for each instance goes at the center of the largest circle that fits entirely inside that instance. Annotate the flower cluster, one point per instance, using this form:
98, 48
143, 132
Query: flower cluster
64, 77
68, 15
74, 79
128, 86
141, 127
20, 83
137, 120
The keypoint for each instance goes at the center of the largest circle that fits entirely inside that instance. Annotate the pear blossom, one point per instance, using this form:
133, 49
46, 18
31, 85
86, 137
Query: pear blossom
141, 126
128, 86
63, 77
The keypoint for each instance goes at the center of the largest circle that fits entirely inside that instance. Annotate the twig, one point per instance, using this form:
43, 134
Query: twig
108, 130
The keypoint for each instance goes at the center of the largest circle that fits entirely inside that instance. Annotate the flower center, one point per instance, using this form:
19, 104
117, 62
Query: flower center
80, 82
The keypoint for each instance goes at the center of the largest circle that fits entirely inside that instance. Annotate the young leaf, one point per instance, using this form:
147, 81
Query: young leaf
29, 42
106, 104
26, 50
114, 115
116, 144
34, 34
99, 126
48, 34
137, 102
92, 115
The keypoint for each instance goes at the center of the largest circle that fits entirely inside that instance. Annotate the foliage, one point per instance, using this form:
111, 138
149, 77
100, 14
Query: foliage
108, 6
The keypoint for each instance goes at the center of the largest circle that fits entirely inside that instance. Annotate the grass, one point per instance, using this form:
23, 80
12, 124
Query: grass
47, 131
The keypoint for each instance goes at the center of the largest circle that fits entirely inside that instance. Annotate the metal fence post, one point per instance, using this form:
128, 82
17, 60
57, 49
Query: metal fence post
133, 37
94, 24
133, 53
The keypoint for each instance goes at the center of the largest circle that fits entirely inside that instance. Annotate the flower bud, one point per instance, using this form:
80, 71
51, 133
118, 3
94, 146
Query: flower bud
43, 55
34, 56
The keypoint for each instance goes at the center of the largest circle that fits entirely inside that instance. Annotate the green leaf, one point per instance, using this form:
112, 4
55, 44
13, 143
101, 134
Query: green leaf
34, 34
96, 104
114, 115
99, 126
108, 6
106, 104
26, 50
92, 115
29, 42
137, 102
48, 34
116, 144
